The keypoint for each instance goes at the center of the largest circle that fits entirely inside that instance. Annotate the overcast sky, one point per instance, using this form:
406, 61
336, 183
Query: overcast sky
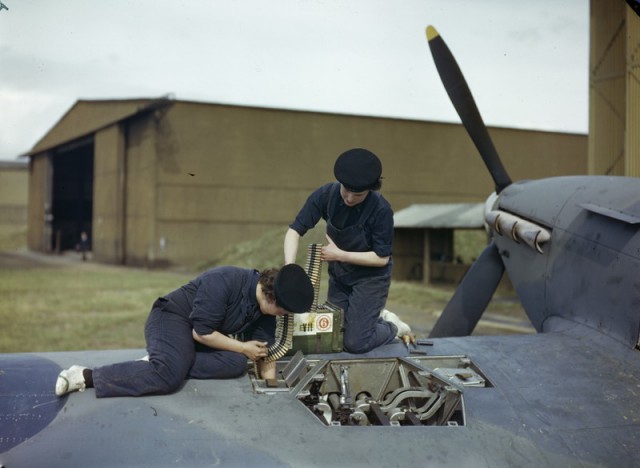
526, 62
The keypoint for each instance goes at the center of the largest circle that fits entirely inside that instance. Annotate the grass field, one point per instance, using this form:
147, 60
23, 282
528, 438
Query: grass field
68, 304
74, 307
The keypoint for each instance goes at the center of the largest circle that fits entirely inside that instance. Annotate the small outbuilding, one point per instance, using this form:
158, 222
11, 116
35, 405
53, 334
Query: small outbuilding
424, 240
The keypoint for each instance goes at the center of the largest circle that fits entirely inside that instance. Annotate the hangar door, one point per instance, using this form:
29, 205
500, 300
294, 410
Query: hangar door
71, 195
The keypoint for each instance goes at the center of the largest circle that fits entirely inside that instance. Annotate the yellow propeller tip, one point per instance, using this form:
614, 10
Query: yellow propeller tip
431, 33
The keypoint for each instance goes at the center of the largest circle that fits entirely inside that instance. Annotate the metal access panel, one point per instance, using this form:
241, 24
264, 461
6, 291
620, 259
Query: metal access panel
376, 392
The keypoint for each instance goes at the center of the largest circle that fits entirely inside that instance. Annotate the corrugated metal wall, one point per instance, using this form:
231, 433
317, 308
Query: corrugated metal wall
607, 88
614, 89
39, 230
109, 195
228, 174
632, 167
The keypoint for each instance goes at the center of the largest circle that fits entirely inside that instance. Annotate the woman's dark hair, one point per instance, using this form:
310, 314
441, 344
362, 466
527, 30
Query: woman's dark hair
377, 185
266, 280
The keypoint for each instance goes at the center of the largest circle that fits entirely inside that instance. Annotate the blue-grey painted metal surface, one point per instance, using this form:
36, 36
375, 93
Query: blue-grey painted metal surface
567, 398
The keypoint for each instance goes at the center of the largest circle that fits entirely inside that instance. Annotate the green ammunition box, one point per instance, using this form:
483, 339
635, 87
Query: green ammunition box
318, 332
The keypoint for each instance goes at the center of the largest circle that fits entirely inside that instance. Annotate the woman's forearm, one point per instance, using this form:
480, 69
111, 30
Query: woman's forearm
252, 349
291, 242
364, 259
218, 340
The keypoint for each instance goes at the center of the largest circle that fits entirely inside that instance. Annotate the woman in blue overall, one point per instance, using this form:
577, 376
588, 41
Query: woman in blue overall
359, 238
187, 332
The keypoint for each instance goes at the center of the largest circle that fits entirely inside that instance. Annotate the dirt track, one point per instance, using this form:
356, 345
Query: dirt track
23, 259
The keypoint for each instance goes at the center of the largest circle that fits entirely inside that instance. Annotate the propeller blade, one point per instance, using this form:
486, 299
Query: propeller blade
463, 101
464, 309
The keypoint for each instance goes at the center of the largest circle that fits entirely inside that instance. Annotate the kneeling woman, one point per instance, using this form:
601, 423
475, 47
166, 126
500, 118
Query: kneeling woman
187, 332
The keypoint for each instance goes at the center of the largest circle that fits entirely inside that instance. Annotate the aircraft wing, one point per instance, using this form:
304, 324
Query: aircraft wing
565, 398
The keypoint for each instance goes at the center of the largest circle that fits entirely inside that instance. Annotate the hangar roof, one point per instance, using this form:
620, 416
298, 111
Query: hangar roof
87, 116
441, 215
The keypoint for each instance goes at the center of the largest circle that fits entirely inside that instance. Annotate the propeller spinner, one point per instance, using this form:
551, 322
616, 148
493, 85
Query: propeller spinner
464, 309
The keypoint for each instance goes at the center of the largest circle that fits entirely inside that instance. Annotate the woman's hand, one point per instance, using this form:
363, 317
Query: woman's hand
254, 349
331, 252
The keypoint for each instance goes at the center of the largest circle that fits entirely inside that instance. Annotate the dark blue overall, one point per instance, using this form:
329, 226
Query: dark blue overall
173, 353
360, 291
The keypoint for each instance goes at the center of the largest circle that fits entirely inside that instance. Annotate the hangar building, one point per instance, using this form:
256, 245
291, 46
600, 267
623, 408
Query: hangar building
169, 182
161, 181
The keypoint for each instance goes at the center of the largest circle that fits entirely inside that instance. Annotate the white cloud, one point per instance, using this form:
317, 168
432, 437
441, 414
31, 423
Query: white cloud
26, 117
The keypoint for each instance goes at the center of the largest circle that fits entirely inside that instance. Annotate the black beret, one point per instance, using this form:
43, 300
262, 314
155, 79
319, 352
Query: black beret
358, 169
293, 289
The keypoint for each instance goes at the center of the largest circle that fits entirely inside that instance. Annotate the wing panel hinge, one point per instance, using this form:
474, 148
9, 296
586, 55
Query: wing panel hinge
624, 216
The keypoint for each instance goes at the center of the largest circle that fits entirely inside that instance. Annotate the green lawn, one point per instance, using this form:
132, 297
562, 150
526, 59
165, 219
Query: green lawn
46, 309
79, 305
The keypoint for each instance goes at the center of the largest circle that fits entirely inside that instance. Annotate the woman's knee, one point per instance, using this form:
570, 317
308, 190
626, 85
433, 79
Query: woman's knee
236, 365
235, 372
356, 343
168, 379
228, 370
218, 365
